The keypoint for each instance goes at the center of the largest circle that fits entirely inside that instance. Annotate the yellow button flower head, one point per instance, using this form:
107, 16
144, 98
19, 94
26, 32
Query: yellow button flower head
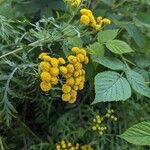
74, 2
78, 66
41, 55
54, 71
54, 62
54, 80
70, 81
72, 100
46, 58
70, 68
66, 97
72, 59
85, 19
61, 61
45, 76
106, 21
63, 70
76, 50
85, 11
45, 86
66, 88
44, 66
73, 93
81, 57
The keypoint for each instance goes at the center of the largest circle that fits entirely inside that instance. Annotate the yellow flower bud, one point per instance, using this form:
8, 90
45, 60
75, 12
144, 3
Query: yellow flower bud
41, 55
45, 86
54, 71
54, 80
73, 93
77, 81
44, 66
99, 19
61, 61
66, 97
86, 61
76, 74
46, 58
81, 86
70, 68
85, 19
97, 26
54, 62
94, 128
76, 49
78, 66
75, 87
81, 57
45, 76
66, 88
72, 100
72, 59
85, 11
63, 69
106, 21
70, 81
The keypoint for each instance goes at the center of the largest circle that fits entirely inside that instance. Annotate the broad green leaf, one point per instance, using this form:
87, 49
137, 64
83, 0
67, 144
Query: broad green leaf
111, 86
111, 62
107, 35
96, 50
118, 47
138, 83
138, 134
135, 34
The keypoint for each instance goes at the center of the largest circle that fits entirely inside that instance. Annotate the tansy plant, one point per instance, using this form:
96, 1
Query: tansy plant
64, 65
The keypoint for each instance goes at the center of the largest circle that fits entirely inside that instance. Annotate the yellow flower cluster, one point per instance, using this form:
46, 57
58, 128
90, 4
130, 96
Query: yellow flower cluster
88, 18
97, 125
74, 2
49, 68
66, 145
74, 74
110, 115
86, 147
72, 71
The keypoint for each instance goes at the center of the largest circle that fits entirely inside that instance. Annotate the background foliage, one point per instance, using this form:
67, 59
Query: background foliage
30, 119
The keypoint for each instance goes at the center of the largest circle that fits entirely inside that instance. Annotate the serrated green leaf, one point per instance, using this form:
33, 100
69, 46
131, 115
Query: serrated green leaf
138, 83
111, 62
107, 35
111, 86
135, 34
138, 134
96, 50
118, 47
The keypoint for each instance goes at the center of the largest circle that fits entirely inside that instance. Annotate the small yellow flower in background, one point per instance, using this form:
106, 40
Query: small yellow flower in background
98, 126
110, 115
85, 19
106, 21
88, 18
66, 145
74, 2
85, 11
44, 66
